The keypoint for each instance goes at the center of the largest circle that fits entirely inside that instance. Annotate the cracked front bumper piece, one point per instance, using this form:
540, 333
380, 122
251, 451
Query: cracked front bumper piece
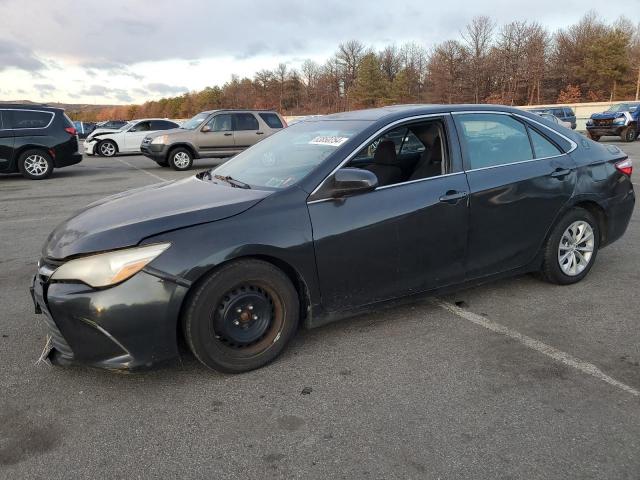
126, 327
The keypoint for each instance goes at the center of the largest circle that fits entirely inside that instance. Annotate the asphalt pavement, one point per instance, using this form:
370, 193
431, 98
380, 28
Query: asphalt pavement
513, 379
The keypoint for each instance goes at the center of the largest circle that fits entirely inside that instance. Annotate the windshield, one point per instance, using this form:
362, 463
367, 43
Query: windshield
125, 126
289, 155
193, 123
622, 107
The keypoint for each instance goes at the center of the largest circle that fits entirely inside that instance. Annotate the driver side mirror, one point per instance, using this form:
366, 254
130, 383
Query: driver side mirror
347, 181
206, 129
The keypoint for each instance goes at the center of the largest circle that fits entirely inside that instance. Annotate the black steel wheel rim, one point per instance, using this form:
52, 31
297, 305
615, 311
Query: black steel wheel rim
243, 316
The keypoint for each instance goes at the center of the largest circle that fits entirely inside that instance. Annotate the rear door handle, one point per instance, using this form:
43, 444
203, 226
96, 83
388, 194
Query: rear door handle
560, 172
453, 196
259, 133
228, 134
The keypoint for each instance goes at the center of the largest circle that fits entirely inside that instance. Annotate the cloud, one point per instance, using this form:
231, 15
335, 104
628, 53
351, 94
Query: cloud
17, 56
44, 88
92, 67
165, 89
102, 91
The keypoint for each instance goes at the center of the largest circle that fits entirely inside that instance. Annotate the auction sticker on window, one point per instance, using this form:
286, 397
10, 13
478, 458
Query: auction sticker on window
329, 140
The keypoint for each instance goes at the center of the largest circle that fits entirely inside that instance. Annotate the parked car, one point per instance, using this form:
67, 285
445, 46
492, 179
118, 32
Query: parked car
108, 143
34, 140
112, 124
313, 225
566, 114
620, 120
84, 129
215, 133
554, 119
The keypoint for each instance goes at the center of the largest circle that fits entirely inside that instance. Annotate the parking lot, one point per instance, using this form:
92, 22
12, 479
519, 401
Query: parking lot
516, 378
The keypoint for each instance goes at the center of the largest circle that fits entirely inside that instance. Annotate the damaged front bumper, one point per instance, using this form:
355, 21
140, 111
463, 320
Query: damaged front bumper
127, 327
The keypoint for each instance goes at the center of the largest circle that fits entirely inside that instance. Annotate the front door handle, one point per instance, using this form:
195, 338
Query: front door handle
453, 196
560, 173
228, 134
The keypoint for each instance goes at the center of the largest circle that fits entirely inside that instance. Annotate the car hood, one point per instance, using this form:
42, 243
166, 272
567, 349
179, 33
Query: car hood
607, 115
171, 131
125, 219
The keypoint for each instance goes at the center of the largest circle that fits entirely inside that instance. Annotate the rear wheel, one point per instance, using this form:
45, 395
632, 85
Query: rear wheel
629, 134
107, 148
35, 164
180, 159
571, 248
241, 317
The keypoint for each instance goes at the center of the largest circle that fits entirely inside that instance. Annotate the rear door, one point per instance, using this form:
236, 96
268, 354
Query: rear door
247, 130
6, 142
519, 180
219, 139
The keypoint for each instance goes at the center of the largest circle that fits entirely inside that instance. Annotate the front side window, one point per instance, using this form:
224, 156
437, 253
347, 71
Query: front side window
31, 119
141, 127
245, 121
491, 139
286, 157
221, 123
410, 152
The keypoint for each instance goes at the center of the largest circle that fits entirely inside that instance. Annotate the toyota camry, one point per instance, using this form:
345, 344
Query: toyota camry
333, 216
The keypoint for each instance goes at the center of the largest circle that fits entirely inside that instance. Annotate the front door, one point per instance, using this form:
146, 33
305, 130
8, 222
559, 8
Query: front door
519, 180
134, 136
6, 142
404, 237
218, 138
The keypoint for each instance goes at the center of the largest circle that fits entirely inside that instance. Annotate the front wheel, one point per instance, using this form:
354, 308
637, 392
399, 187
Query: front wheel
180, 159
241, 317
629, 134
107, 148
571, 248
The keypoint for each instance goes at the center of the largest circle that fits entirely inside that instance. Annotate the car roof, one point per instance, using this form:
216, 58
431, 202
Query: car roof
402, 111
29, 106
238, 110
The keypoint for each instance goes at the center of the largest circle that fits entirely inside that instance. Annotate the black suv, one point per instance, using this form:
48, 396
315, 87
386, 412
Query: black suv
36, 139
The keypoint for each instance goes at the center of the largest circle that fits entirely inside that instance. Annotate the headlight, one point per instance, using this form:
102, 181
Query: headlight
160, 140
590, 121
105, 269
619, 121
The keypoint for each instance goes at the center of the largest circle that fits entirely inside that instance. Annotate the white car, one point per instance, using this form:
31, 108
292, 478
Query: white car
109, 142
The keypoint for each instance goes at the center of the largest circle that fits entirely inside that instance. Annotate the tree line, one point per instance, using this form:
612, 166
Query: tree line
518, 63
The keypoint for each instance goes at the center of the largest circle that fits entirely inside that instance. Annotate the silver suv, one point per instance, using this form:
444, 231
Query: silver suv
214, 133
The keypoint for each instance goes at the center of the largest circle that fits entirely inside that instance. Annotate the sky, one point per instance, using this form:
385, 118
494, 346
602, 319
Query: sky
130, 51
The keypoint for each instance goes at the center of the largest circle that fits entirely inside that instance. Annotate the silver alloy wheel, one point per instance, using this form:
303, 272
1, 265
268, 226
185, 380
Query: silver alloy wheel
108, 149
576, 248
36, 165
181, 160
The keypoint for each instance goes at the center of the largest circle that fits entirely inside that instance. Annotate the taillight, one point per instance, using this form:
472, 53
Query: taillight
625, 166
71, 130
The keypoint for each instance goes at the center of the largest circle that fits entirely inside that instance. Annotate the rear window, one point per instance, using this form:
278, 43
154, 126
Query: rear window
31, 119
569, 112
272, 120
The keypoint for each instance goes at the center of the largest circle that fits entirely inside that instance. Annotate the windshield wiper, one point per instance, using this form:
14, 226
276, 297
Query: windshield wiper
232, 181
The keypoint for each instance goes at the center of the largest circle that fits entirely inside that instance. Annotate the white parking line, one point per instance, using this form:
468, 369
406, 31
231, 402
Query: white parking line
142, 170
541, 347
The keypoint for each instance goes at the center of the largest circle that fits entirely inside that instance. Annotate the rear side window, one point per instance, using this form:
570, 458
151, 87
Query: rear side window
272, 120
162, 125
543, 147
245, 121
490, 139
31, 119
2, 127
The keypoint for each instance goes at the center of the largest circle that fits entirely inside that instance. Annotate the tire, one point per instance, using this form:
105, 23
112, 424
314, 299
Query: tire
554, 268
180, 159
162, 163
593, 137
107, 148
241, 316
629, 134
35, 164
